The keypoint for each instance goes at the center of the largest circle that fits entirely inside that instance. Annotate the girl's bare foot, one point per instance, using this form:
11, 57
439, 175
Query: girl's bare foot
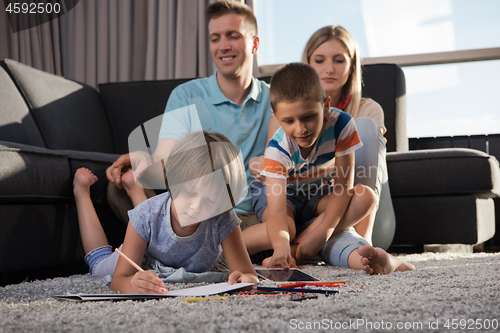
377, 261
84, 178
134, 191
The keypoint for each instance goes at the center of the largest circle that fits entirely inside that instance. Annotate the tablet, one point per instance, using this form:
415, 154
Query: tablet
282, 275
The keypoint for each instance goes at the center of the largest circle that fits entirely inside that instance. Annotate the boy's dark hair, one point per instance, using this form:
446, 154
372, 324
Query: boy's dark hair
293, 82
223, 7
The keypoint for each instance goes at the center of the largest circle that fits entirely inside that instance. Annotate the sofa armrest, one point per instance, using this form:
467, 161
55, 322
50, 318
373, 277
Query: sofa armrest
449, 171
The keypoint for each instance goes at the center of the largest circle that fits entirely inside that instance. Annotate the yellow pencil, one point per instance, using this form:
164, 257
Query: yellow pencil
202, 298
139, 268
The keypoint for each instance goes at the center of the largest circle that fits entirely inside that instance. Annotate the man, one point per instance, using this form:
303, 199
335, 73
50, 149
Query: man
231, 101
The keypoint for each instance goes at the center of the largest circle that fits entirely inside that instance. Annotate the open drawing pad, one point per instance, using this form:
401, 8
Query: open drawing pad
283, 275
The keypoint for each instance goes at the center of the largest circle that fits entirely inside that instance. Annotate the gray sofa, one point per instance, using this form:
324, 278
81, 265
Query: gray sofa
50, 126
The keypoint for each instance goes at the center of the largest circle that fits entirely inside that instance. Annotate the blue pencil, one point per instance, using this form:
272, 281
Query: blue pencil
295, 290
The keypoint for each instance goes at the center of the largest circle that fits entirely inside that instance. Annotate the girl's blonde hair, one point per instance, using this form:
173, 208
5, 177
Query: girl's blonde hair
200, 154
353, 84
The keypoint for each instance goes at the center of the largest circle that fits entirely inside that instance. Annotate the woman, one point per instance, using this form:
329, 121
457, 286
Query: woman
334, 54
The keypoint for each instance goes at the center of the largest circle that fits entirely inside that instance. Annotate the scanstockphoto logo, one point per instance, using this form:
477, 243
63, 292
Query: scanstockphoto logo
26, 14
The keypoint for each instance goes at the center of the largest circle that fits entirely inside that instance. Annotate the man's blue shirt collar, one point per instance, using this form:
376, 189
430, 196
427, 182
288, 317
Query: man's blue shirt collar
217, 97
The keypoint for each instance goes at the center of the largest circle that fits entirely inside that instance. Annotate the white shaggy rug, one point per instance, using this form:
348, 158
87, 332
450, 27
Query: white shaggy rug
448, 292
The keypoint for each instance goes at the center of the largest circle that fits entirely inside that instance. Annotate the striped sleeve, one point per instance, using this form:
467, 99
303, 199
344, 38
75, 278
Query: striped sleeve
348, 139
277, 158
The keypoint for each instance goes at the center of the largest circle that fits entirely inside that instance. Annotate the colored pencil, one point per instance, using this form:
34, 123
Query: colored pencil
318, 291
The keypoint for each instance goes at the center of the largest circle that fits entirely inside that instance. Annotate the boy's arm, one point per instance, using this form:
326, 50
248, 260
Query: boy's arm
126, 279
237, 258
315, 236
277, 226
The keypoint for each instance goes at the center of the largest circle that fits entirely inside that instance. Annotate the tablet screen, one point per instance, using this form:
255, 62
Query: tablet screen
282, 275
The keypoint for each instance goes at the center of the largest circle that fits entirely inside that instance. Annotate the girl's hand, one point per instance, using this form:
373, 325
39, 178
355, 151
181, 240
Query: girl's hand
239, 277
147, 283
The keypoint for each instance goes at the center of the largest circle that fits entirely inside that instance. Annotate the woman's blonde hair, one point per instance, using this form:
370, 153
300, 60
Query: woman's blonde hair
353, 84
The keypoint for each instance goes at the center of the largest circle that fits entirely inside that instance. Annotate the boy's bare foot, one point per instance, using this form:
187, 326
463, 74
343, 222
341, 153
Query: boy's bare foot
84, 178
376, 261
266, 261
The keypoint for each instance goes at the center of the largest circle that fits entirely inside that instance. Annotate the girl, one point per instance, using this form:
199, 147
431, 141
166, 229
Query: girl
183, 227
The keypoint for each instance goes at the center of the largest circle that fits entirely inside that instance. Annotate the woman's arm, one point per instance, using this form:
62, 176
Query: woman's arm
126, 279
237, 259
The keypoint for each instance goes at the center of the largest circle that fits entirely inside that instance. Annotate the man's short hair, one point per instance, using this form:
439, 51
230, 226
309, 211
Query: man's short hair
293, 82
219, 8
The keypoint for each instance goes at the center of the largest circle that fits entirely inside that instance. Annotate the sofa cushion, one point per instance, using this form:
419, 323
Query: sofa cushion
33, 174
451, 219
450, 171
16, 123
70, 115
143, 101
37, 175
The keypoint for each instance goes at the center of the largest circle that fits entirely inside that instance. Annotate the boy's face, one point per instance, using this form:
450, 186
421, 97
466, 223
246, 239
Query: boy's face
303, 121
232, 45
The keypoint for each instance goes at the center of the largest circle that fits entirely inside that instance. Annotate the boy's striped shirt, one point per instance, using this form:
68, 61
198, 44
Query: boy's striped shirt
283, 159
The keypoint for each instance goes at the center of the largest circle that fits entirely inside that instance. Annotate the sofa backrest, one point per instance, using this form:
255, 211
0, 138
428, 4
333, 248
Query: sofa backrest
68, 114
130, 104
16, 123
385, 84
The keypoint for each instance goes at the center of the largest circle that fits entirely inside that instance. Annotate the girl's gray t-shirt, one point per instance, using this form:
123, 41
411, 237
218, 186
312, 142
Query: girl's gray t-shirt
196, 253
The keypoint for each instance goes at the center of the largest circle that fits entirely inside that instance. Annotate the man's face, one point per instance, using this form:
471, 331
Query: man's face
232, 45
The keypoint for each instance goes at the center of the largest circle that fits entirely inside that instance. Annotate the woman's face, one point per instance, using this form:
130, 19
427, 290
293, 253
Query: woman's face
333, 65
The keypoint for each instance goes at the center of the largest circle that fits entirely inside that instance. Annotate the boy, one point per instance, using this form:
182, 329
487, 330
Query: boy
309, 169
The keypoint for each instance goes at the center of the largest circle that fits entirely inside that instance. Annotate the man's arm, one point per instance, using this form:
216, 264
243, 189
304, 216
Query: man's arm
141, 161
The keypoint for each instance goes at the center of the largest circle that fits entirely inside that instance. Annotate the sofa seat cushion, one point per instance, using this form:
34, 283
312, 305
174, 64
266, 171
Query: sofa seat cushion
97, 163
451, 219
33, 174
450, 171
37, 175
